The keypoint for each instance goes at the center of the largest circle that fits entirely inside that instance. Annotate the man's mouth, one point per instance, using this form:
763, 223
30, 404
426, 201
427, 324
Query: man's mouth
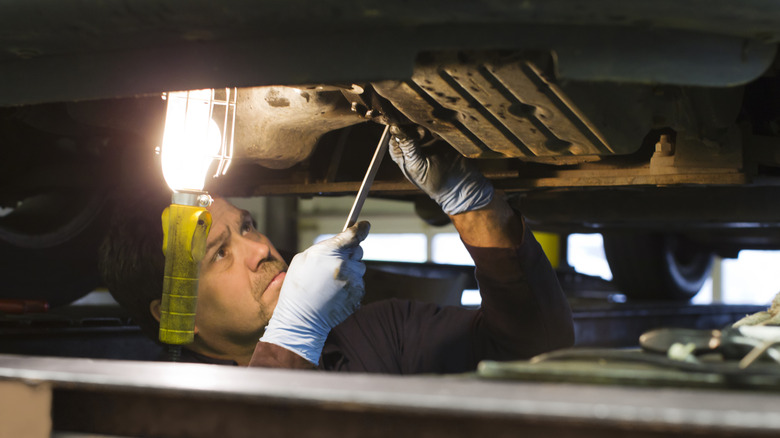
274, 269
277, 281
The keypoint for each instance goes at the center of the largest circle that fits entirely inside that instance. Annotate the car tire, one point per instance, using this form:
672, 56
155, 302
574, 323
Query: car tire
429, 211
59, 265
657, 266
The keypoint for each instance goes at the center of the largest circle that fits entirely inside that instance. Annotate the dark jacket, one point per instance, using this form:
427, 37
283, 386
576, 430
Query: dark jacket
524, 313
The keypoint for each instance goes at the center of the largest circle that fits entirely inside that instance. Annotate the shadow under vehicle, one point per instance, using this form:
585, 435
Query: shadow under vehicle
654, 123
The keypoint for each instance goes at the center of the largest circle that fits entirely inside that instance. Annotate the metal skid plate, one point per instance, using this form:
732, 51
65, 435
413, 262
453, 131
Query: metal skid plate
489, 106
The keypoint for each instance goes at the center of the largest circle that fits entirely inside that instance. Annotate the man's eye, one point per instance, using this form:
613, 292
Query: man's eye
247, 227
221, 253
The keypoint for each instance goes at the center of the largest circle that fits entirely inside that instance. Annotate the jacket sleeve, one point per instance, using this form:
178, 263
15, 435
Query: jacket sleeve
524, 311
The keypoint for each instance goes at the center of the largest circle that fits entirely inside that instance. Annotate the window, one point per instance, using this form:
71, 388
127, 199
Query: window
586, 255
401, 247
447, 248
751, 278
748, 279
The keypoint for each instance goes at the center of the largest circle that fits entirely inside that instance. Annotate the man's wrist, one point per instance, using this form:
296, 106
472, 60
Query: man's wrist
494, 226
269, 355
302, 339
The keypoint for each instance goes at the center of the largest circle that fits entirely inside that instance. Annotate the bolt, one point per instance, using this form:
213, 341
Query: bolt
362, 111
664, 147
204, 200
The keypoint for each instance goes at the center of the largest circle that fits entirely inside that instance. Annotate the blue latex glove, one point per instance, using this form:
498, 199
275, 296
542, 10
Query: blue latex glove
323, 286
447, 177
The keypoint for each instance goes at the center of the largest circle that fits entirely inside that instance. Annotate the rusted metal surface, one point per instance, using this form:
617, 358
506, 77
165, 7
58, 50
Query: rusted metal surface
512, 181
278, 127
163, 399
554, 110
411, 101
488, 106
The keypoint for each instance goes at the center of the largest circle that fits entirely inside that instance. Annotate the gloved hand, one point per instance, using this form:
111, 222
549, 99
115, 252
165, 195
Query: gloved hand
447, 177
323, 286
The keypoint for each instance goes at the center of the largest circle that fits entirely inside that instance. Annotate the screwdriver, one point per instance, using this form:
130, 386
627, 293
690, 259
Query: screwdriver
362, 194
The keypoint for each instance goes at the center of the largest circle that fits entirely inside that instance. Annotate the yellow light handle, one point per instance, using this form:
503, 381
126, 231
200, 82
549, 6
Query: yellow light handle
185, 229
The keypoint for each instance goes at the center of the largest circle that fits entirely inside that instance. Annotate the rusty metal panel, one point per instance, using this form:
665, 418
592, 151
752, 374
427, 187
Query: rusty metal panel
569, 129
489, 105
436, 80
518, 118
411, 101
279, 127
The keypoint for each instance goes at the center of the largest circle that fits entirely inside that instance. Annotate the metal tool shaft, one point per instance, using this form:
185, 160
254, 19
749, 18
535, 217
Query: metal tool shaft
381, 148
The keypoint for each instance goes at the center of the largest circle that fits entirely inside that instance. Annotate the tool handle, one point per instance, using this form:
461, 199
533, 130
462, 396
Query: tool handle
362, 194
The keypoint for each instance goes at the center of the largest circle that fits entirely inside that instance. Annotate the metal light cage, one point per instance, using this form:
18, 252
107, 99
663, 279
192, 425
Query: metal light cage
222, 110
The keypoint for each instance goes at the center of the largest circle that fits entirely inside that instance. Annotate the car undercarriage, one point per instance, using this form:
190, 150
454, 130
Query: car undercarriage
655, 124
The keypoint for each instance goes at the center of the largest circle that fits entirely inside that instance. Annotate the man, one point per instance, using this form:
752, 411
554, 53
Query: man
305, 315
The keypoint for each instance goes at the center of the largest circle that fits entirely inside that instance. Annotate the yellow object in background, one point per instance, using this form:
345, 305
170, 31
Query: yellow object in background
551, 244
185, 229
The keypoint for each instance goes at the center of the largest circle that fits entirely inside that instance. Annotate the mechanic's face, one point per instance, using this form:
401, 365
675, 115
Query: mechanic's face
240, 279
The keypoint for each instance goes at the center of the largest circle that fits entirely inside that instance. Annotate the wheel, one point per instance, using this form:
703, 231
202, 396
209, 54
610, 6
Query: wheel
429, 211
657, 266
48, 247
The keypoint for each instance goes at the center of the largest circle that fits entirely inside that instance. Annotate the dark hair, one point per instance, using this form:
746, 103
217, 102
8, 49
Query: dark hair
131, 260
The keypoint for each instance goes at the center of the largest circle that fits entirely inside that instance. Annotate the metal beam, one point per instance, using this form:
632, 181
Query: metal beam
163, 399
62, 51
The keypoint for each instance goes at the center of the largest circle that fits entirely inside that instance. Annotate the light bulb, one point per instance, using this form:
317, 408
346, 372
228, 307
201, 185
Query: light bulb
191, 140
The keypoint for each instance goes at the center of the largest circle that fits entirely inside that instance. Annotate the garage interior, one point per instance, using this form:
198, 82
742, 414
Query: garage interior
651, 127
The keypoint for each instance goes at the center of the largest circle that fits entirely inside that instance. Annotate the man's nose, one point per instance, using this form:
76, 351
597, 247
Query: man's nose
257, 250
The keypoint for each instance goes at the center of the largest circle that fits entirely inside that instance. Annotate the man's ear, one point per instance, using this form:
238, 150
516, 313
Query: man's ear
154, 308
